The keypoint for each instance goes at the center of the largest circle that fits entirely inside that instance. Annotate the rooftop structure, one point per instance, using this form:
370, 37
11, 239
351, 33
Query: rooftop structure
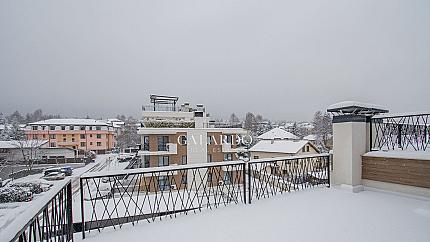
278, 133
355, 108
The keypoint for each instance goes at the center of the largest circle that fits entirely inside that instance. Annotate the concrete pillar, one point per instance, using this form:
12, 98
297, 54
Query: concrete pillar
350, 142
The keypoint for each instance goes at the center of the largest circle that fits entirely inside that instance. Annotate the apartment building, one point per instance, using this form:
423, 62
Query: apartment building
183, 135
81, 135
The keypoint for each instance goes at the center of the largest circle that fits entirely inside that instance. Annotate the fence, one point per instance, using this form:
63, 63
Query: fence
400, 132
112, 199
52, 222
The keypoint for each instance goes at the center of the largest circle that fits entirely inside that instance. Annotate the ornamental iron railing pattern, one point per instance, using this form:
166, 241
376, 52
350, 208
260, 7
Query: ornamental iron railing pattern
400, 132
53, 222
113, 199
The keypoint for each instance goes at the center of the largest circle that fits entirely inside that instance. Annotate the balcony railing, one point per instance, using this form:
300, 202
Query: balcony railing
400, 132
48, 219
113, 199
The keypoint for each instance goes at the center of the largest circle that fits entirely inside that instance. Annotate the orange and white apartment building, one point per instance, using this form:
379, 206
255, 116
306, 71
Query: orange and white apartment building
81, 135
182, 135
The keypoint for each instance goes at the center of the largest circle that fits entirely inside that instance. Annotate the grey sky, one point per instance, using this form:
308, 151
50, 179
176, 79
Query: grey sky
283, 59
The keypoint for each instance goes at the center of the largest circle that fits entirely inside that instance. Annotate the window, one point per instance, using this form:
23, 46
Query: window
64, 135
256, 157
91, 143
82, 144
184, 160
228, 157
184, 179
307, 148
64, 140
52, 127
146, 160
228, 178
303, 149
63, 127
163, 160
162, 143
34, 127
146, 143
163, 183
44, 136
229, 139
34, 136
73, 139
72, 127
99, 143
99, 136
209, 140
82, 127
183, 140
82, 136
209, 177
91, 135
52, 136
209, 158
98, 128
43, 127
52, 144
73, 135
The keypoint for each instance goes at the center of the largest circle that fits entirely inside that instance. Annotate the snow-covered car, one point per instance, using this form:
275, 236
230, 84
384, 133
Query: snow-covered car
54, 176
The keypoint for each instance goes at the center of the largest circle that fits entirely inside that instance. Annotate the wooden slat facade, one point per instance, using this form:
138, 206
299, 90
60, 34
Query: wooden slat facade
395, 170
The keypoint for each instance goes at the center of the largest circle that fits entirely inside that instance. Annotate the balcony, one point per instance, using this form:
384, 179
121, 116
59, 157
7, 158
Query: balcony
169, 149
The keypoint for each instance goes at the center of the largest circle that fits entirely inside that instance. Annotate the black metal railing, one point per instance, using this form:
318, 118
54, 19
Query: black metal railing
112, 199
269, 177
53, 221
400, 132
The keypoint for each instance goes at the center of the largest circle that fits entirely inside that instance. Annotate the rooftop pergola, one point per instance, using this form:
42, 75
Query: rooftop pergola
157, 100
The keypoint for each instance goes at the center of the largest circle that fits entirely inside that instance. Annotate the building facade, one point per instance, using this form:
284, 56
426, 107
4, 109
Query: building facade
81, 135
178, 136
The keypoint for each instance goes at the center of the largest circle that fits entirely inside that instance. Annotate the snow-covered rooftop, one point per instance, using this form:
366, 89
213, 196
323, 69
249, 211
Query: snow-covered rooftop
277, 133
354, 104
13, 144
310, 137
68, 121
279, 146
401, 154
313, 215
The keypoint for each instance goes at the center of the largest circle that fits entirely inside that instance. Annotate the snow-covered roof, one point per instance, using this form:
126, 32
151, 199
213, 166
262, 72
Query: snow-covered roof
67, 121
354, 104
277, 133
279, 146
13, 144
356, 108
413, 155
310, 137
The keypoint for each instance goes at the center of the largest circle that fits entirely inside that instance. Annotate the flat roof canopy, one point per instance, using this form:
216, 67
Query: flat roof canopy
161, 99
357, 108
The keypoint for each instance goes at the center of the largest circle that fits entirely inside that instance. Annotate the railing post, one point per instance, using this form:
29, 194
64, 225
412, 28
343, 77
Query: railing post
370, 134
249, 183
328, 170
69, 212
82, 208
244, 182
399, 136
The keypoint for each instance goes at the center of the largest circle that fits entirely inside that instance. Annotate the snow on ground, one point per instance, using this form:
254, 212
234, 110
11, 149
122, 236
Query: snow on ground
9, 212
312, 215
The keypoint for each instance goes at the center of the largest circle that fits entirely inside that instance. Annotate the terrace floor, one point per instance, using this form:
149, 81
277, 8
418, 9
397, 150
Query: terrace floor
319, 214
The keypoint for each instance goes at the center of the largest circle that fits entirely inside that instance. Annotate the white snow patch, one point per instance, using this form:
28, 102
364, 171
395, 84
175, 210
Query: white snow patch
415, 155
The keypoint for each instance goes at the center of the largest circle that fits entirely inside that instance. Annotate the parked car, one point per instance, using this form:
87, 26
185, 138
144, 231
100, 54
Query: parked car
53, 176
67, 170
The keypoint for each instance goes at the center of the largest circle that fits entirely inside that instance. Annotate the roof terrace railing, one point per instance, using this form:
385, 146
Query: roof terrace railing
409, 131
117, 198
48, 219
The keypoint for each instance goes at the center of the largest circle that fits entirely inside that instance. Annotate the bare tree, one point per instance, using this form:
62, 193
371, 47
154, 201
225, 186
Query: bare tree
234, 119
249, 121
129, 136
30, 151
322, 128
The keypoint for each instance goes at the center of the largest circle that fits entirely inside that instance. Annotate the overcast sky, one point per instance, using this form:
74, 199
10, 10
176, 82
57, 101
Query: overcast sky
283, 59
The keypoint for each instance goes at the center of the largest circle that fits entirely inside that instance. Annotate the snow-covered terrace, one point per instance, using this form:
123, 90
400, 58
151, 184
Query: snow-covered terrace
320, 214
